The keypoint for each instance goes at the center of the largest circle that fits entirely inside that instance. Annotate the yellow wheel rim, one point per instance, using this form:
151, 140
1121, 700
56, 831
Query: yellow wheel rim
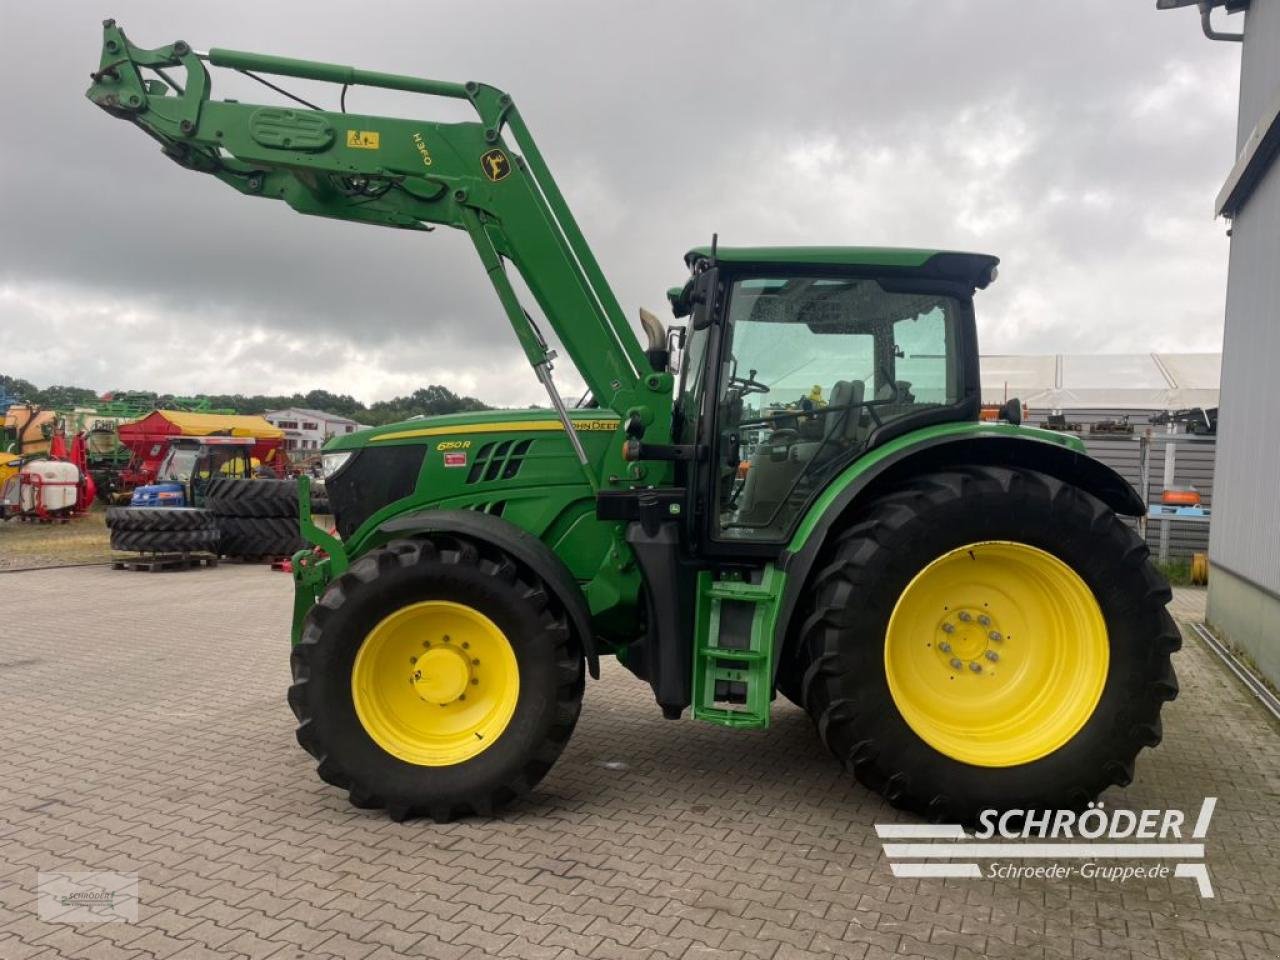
996, 654
435, 683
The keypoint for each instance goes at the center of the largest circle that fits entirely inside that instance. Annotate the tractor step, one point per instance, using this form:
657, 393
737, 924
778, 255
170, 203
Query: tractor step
154, 563
733, 651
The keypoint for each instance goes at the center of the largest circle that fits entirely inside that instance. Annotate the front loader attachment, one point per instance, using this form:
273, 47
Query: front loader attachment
408, 174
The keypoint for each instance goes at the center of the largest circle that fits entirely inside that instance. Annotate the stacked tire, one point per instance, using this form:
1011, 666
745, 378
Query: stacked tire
257, 519
162, 530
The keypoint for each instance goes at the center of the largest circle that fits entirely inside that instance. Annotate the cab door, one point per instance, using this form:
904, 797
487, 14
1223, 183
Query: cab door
806, 371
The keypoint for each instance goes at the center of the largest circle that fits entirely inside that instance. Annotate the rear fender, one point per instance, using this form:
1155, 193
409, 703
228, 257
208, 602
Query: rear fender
989, 444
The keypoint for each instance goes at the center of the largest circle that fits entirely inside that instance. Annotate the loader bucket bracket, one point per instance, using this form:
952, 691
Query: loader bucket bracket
120, 88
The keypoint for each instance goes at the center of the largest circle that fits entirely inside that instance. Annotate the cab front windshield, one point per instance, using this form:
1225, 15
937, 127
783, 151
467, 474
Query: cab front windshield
813, 366
179, 466
186, 463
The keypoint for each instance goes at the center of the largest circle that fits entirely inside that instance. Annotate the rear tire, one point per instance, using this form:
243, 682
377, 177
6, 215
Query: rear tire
159, 518
260, 536
162, 530
165, 541
405, 574
790, 680
879, 557
233, 497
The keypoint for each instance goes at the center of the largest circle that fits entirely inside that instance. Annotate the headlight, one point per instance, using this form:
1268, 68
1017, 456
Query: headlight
331, 463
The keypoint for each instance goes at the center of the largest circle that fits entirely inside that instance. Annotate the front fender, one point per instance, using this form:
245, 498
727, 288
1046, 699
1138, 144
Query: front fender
523, 547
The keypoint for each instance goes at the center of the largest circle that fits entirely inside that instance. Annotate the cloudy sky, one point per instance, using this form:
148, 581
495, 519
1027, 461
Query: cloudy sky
1082, 141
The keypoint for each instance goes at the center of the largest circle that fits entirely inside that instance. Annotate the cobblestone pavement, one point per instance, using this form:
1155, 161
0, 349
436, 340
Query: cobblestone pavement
145, 731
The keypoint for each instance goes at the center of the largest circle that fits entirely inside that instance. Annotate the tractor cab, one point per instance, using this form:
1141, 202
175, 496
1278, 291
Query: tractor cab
799, 362
188, 467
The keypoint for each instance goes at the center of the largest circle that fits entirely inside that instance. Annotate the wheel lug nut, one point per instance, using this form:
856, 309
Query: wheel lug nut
992, 656
944, 647
995, 635
948, 628
465, 645
965, 616
975, 667
474, 681
984, 620
475, 663
957, 662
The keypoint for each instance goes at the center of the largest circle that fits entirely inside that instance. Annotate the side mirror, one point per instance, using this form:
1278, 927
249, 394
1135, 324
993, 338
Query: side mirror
678, 297
702, 300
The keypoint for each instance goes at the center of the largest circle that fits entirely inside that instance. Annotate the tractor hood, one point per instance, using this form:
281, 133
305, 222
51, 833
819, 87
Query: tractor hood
159, 495
472, 424
491, 460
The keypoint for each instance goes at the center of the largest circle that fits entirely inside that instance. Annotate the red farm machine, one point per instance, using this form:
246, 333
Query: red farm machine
150, 438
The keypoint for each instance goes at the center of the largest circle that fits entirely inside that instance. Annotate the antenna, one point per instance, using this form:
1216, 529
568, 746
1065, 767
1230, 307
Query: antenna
715, 241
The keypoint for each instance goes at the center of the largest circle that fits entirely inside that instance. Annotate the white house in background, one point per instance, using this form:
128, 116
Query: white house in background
305, 431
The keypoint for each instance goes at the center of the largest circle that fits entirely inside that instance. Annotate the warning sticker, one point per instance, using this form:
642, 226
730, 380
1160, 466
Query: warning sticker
362, 139
455, 459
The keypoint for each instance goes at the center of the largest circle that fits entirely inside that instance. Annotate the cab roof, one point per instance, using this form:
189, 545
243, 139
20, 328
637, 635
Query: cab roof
976, 269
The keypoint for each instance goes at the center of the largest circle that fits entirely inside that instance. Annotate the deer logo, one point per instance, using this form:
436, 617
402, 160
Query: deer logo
496, 165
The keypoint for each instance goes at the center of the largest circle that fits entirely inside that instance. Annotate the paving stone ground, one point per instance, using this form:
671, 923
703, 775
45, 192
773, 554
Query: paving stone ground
144, 730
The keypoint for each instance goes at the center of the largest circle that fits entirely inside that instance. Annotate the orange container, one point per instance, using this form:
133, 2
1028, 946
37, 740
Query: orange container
1181, 497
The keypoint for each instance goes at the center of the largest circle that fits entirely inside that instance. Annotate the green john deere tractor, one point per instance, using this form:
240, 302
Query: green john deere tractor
790, 491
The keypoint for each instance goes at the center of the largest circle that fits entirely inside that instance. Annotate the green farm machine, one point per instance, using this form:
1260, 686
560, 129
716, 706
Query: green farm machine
789, 491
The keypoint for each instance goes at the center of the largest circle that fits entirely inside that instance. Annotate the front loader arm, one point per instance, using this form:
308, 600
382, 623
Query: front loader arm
400, 173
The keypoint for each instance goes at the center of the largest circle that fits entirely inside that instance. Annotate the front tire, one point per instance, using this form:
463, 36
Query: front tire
1045, 703
436, 677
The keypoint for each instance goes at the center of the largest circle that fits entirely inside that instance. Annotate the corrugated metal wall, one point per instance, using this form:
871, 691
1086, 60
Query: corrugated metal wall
1193, 466
1246, 534
1259, 66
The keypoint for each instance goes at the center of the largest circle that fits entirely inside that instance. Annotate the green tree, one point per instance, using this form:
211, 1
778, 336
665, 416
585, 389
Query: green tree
62, 397
342, 404
431, 400
18, 388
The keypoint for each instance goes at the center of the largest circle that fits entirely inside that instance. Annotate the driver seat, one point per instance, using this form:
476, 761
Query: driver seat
774, 467
840, 427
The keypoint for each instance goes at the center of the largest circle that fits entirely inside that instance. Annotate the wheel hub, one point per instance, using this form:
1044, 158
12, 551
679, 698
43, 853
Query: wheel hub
442, 674
969, 638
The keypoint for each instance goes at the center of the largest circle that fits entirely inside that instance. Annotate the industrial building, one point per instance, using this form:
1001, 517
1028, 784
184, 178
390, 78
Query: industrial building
1244, 546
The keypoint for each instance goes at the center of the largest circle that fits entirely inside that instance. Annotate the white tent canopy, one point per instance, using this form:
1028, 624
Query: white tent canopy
1119, 381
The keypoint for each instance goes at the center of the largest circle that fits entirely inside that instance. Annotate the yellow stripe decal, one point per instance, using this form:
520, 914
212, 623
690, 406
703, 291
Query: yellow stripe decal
513, 426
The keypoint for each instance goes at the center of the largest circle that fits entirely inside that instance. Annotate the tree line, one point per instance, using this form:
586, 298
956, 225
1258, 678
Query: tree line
428, 401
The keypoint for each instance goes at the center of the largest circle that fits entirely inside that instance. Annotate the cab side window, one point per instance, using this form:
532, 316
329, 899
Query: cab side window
811, 368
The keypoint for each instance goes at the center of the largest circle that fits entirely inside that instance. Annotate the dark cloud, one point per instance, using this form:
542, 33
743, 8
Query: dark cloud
1083, 142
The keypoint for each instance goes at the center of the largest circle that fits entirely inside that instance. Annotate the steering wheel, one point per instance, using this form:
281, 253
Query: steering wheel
748, 384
